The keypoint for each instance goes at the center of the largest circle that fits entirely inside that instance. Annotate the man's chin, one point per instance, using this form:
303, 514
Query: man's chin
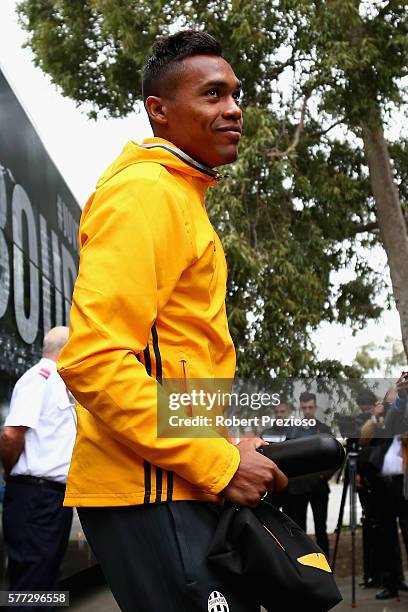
227, 156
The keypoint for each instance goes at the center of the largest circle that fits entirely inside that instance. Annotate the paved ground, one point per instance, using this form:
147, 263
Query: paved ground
366, 602
97, 599
100, 600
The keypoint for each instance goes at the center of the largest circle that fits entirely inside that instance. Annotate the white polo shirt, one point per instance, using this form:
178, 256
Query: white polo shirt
41, 401
393, 462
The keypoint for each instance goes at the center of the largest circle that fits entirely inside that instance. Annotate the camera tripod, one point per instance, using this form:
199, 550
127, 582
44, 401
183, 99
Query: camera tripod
349, 484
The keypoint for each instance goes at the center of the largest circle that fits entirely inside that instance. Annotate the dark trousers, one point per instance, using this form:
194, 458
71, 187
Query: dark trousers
390, 507
369, 524
295, 506
36, 530
154, 558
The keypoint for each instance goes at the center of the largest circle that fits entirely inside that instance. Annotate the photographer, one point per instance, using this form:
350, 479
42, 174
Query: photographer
383, 449
366, 401
313, 489
279, 433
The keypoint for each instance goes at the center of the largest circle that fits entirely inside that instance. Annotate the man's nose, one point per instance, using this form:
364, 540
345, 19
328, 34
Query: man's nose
232, 110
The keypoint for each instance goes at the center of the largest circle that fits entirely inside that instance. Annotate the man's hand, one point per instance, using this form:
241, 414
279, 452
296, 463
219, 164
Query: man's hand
12, 440
256, 475
378, 410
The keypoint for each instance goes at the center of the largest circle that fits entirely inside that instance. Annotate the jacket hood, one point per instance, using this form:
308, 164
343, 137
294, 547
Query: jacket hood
159, 151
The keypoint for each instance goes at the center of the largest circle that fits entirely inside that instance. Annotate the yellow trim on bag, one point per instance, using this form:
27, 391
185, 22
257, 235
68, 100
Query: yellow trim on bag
274, 537
317, 560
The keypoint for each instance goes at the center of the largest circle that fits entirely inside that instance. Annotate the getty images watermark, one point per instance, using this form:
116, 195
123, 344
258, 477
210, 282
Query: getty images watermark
212, 401
204, 409
278, 408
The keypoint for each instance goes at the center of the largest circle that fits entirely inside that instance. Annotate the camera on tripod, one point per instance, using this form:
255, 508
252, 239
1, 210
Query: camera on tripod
347, 426
350, 426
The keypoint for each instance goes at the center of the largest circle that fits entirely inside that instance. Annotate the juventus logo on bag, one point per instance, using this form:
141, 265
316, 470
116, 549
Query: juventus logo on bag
217, 602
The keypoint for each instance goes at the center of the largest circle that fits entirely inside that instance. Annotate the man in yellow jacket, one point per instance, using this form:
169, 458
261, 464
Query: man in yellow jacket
149, 306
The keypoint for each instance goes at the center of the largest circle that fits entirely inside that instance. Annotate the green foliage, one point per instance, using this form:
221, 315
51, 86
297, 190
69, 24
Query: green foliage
297, 206
389, 358
365, 360
396, 358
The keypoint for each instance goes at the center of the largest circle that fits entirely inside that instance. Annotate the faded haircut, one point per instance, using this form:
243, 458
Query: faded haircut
167, 55
307, 397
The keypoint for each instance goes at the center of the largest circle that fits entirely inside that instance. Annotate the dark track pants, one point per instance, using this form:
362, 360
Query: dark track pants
390, 506
370, 533
296, 508
154, 557
36, 530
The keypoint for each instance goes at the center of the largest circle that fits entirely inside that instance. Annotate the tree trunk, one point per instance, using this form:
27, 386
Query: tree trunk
390, 218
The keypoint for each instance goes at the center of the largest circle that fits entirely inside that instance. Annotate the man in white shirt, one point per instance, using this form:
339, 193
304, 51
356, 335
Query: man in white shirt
36, 447
388, 495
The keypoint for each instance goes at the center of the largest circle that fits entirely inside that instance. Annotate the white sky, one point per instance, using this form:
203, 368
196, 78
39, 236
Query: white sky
82, 149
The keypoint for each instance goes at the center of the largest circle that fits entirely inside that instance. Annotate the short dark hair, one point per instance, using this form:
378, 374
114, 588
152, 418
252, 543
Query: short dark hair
306, 397
284, 402
167, 55
366, 398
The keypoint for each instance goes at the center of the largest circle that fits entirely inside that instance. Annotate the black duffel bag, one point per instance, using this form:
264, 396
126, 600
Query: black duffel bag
279, 564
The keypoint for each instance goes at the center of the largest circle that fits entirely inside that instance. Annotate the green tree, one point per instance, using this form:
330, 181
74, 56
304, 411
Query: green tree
365, 360
388, 358
316, 185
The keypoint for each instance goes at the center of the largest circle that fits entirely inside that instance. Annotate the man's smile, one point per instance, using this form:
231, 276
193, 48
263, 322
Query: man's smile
233, 132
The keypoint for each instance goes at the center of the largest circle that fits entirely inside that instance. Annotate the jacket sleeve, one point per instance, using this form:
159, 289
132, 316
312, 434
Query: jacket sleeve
135, 244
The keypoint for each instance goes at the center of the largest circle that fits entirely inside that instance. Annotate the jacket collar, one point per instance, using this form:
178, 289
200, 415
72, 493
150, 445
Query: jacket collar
185, 158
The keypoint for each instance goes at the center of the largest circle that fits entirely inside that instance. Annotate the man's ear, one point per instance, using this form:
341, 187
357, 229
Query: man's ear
156, 109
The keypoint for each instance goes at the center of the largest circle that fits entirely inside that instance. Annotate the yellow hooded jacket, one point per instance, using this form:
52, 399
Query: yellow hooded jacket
148, 304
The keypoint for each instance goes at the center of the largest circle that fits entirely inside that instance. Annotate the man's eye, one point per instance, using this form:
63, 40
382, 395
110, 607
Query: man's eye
213, 92
237, 96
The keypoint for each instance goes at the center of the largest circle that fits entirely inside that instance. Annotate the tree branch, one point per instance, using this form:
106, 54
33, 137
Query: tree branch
276, 70
273, 72
297, 135
327, 130
368, 227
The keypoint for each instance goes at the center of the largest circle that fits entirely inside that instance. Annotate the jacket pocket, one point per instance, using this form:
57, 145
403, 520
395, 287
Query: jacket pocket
184, 385
184, 370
